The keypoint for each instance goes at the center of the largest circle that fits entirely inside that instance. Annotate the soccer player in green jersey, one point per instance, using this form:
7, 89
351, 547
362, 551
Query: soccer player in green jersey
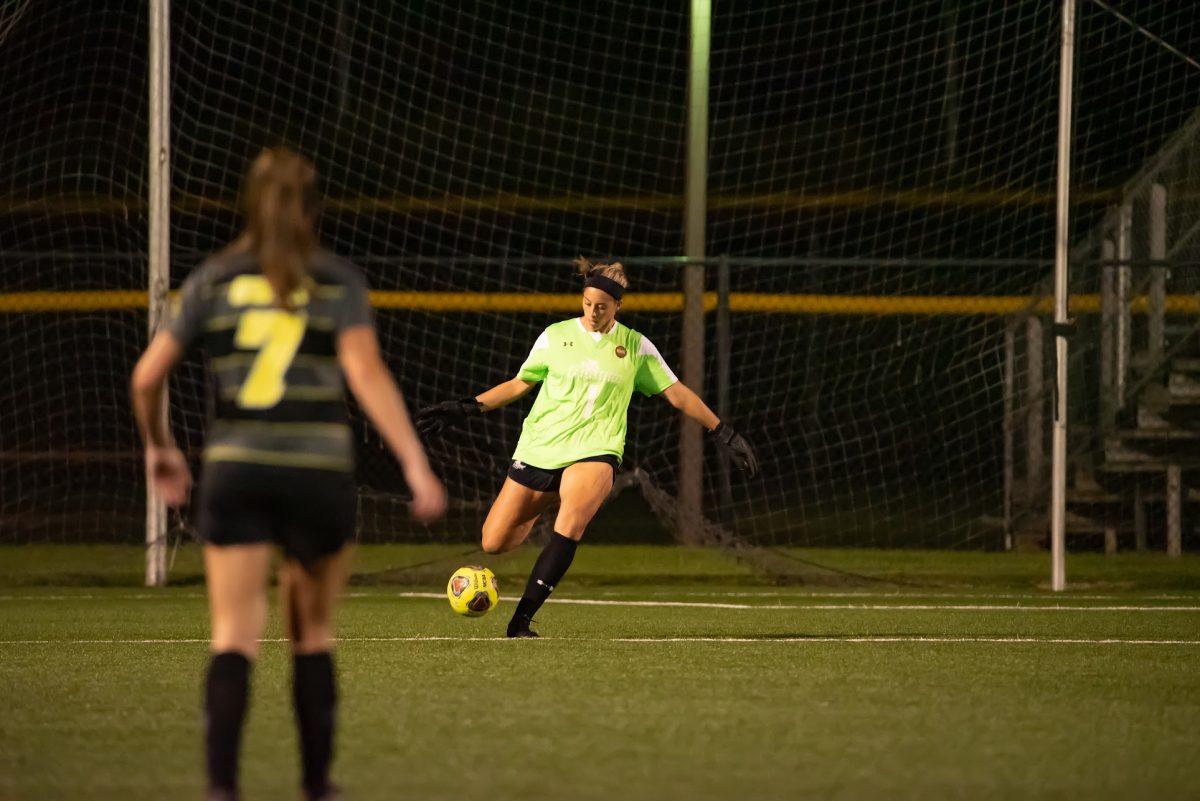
574, 436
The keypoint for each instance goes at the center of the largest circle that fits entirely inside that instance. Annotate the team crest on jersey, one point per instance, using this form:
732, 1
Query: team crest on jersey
621, 351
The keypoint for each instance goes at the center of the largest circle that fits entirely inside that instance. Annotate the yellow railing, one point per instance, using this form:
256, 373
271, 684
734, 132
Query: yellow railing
760, 302
516, 202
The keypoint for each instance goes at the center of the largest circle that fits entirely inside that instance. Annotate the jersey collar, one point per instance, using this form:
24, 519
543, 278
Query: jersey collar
588, 334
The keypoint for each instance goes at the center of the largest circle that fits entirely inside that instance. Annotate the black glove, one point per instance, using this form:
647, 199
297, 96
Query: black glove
735, 445
432, 419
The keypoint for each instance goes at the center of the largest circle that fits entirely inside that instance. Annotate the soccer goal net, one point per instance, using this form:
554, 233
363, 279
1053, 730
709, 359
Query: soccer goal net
879, 232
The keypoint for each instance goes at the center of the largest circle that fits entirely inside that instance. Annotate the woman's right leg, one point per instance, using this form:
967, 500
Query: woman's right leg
237, 595
512, 516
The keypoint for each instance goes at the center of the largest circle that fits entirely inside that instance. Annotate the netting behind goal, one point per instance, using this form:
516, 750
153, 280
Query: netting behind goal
72, 219
880, 187
454, 144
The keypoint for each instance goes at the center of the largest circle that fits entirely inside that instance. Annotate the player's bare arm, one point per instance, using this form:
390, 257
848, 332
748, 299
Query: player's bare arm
733, 443
166, 466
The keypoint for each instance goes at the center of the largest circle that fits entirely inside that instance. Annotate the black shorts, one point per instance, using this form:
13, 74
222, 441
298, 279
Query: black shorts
308, 513
543, 480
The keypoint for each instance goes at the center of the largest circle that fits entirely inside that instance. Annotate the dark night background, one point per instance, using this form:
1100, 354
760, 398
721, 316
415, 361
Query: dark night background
491, 133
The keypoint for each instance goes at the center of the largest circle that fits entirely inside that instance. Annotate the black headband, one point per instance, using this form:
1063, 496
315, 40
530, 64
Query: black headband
605, 284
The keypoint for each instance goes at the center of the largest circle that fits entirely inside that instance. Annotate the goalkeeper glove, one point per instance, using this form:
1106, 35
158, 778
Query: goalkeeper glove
738, 450
432, 419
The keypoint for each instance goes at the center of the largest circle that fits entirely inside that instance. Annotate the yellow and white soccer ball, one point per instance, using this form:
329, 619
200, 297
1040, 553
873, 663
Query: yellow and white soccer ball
473, 591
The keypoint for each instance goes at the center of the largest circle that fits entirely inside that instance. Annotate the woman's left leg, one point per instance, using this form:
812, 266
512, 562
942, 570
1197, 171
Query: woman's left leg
309, 597
584, 488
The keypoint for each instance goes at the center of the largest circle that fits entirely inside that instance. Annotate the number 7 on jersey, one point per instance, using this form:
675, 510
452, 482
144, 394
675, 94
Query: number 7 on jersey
277, 335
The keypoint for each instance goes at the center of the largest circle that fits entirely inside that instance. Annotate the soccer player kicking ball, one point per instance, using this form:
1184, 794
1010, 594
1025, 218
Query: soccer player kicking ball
574, 436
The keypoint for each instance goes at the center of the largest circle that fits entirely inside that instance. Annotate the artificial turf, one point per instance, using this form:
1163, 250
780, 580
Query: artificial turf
929, 675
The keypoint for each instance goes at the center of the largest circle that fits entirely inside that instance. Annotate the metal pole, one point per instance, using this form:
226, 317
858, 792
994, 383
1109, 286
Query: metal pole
1174, 511
1124, 344
158, 248
723, 364
691, 445
1108, 308
1010, 354
1158, 275
1035, 410
1058, 465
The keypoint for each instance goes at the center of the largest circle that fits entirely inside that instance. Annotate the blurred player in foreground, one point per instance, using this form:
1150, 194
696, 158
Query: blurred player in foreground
283, 323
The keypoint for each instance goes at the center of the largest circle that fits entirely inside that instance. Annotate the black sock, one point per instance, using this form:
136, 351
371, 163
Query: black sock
314, 691
226, 691
548, 570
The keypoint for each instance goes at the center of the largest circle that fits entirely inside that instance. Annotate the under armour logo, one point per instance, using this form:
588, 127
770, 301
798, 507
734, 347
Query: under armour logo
549, 587
568, 344
518, 465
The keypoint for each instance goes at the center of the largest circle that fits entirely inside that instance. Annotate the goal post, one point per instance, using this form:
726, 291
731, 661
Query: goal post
1058, 468
159, 249
691, 441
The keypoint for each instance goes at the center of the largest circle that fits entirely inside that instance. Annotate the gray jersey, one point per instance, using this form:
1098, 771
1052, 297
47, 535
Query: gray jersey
279, 391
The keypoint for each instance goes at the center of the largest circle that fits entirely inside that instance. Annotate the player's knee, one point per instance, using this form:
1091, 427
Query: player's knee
311, 633
571, 525
489, 540
571, 532
242, 642
313, 643
495, 543
498, 539
239, 629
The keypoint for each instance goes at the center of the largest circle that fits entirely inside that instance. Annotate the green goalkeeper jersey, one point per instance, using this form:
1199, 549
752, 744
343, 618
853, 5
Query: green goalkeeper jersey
587, 380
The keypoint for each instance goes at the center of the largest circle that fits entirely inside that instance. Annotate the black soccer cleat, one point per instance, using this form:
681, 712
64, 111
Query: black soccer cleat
518, 627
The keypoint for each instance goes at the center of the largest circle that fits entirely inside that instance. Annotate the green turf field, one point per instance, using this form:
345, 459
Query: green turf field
663, 673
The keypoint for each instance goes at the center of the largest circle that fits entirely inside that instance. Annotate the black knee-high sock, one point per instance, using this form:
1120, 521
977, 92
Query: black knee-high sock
314, 689
548, 570
226, 692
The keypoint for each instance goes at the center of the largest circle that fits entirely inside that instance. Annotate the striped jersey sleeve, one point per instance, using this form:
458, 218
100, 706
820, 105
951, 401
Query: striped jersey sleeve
352, 308
191, 307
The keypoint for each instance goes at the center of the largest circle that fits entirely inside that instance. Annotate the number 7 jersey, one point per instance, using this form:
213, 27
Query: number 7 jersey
278, 389
587, 382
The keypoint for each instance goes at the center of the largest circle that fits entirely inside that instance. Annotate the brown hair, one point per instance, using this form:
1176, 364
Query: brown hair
280, 202
613, 272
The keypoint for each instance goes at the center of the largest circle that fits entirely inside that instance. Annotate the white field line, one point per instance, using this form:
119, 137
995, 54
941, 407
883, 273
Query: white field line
140, 596
1013, 596
173, 592
848, 606
830, 607
880, 639
170, 593
918, 639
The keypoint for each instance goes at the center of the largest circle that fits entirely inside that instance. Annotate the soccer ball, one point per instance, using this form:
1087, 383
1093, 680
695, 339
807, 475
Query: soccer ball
473, 591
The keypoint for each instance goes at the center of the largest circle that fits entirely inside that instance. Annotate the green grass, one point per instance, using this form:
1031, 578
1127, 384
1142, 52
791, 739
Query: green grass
645, 565
790, 702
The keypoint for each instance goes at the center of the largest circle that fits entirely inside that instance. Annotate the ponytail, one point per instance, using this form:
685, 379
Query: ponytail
281, 208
